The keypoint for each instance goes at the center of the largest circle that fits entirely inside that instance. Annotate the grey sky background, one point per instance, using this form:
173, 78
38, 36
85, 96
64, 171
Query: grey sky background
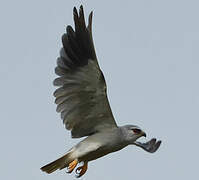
149, 53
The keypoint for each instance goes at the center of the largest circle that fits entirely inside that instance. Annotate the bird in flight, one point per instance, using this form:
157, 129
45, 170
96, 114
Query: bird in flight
82, 101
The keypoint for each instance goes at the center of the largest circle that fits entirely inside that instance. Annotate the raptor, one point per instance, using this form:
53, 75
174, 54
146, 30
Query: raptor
81, 98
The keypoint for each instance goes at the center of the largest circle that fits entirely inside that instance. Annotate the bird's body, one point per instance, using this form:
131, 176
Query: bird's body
100, 144
82, 101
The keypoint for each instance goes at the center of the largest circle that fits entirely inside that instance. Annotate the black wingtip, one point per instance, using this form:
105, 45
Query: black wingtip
90, 21
81, 17
81, 7
77, 42
75, 11
81, 11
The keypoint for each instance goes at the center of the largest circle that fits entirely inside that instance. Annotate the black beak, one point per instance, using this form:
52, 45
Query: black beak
144, 134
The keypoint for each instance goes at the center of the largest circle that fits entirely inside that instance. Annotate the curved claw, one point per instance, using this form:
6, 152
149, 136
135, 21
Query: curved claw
80, 171
72, 166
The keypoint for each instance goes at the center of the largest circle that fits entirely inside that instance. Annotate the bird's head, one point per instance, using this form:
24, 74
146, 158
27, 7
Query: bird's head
132, 133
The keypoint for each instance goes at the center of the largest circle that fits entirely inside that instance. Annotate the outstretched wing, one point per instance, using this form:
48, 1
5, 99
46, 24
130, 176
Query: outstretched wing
81, 97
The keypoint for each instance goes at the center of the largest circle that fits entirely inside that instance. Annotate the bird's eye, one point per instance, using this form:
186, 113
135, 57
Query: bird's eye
137, 131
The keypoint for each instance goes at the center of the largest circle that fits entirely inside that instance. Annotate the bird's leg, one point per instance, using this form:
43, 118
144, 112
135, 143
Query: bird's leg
150, 146
72, 166
80, 171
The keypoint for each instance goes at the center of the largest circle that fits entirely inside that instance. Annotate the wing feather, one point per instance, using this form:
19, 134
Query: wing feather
81, 97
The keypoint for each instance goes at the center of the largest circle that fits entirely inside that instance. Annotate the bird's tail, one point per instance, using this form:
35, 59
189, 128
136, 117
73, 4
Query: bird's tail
60, 163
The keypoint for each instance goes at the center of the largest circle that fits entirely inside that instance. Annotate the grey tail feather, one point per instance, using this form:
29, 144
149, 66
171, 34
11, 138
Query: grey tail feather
60, 163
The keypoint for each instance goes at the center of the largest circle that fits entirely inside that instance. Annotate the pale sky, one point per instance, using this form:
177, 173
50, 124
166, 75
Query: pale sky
149, 53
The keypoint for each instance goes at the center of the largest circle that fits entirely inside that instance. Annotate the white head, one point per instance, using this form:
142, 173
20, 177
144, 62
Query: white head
132, 133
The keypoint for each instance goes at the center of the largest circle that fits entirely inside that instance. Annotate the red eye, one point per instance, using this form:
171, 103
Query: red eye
137, 131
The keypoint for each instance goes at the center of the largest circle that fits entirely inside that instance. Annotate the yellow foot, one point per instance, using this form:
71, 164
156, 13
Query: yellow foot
80, 171
72, 166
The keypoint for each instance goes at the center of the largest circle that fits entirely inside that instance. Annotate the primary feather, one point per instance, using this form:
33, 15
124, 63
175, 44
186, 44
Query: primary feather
81, 97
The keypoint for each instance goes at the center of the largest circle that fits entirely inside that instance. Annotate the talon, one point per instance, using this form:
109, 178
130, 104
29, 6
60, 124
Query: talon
80, 171
72, 166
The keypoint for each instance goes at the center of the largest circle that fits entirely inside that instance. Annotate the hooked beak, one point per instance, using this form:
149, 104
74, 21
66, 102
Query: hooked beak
143, 134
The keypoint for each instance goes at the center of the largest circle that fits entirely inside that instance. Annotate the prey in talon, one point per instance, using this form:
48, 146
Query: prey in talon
81, 99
